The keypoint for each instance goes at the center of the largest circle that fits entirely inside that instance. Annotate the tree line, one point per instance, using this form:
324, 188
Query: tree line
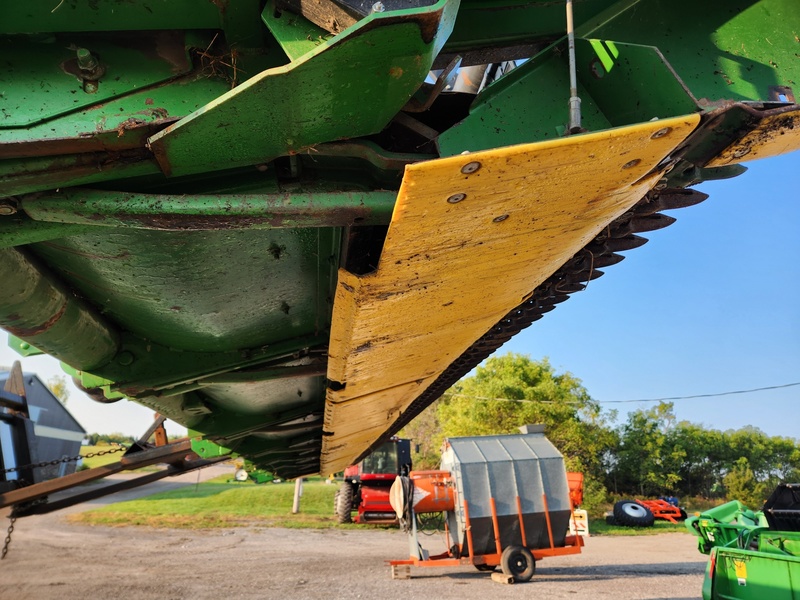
650, 454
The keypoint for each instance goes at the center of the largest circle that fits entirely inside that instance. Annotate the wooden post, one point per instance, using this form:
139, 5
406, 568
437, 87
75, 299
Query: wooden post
298, 491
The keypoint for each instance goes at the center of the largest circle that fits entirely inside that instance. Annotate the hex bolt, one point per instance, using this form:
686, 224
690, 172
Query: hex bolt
661, 133
378, 7
456, 198
631, 163
86, 60
470, 167
500, 219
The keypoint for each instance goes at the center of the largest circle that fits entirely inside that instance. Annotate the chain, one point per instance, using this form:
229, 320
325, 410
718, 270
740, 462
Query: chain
12, 519
66, 459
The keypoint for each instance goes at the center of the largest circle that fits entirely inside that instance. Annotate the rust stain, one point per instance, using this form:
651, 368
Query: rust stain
23, 332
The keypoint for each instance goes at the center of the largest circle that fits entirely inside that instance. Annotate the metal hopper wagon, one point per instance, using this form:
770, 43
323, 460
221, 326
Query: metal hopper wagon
506, 502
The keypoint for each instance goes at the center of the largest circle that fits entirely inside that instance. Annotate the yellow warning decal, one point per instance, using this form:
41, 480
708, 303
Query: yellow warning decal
471, 237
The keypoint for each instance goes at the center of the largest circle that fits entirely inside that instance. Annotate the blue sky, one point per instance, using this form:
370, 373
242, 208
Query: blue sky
711, 304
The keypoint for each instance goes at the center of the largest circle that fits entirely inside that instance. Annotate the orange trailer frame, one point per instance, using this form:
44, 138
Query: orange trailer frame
572, 544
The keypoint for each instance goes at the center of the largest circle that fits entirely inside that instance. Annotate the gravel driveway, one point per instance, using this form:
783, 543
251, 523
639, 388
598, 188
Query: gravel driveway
52, 559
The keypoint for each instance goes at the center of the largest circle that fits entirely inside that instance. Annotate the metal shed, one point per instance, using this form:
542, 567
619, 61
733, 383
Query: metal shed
35, 427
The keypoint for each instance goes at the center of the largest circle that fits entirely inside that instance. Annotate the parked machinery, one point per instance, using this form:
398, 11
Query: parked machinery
753, 555
505, 499
366, 485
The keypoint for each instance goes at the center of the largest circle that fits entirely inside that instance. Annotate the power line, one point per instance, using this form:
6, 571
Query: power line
761, 389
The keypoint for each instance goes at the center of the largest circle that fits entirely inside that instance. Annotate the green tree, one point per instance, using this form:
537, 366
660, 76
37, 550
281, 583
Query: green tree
426, 437
513, 390
649, 457
741, 484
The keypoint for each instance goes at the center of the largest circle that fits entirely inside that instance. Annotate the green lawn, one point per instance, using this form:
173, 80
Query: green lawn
218, 503
600, 527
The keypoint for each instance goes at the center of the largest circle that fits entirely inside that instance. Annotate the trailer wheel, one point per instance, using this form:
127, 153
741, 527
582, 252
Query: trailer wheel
518, 562
633, 514
344, 503
486, 568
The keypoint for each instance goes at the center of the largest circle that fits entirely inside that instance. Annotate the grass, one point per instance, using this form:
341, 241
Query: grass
217, 503
600, 527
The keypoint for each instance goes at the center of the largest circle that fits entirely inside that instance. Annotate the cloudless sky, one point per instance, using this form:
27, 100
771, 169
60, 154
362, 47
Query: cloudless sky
711, 304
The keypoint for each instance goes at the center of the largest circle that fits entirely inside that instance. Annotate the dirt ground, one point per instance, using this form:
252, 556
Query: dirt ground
52, 559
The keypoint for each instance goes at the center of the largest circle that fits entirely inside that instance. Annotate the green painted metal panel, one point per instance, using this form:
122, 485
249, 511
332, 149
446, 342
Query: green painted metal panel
352, 85
491, 23
514, 110
296, 35
265, 290
733, 51
750, 575
47, 80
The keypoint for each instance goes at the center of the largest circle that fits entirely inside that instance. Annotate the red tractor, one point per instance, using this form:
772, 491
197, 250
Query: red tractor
366, 485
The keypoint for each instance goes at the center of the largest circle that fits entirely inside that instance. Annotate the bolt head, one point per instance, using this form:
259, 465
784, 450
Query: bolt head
378, 7
500, 218
470, 167
631, 163
661, 133
8, 207
456, 198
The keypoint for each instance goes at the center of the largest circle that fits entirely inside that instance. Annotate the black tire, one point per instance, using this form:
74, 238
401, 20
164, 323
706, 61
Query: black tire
683, 516
518, 562
610, 520
632, 514
344, 503
486, 568
336, 503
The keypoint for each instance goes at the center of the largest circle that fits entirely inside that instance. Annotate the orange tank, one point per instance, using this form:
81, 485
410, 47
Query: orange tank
434, 491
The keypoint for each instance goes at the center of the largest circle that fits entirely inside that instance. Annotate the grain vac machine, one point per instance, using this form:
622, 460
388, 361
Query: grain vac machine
505, 502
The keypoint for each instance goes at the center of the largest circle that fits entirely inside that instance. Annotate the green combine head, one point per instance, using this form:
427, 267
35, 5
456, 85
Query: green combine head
290, 226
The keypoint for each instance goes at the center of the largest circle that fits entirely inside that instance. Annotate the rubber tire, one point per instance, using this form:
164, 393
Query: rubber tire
344, 503
486, 568
336, 503
518, 562
683, 516
632, 514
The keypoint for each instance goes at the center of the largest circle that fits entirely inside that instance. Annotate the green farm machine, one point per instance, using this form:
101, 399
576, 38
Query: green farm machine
753, 555
290, 226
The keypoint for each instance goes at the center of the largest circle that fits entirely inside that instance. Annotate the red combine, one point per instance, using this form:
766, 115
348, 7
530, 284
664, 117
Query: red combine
366, 485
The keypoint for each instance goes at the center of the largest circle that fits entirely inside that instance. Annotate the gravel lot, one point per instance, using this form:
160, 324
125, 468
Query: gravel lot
52, 559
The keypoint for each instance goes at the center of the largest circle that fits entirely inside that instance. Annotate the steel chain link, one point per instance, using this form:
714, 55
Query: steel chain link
47, 463
66, 459
12, 519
